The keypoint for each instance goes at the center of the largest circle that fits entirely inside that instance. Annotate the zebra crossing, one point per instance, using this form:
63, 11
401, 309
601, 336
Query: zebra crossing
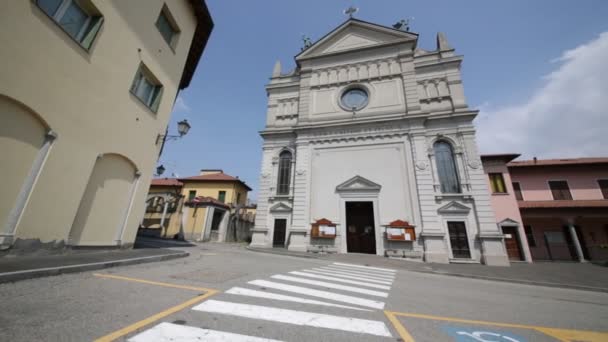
355, 289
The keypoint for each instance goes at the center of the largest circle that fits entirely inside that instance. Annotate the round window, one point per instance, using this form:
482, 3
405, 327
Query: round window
354, 99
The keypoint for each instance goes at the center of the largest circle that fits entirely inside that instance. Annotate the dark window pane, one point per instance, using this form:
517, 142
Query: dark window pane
604, 187
221, 196
284, 173
530, 236
446, 167
517, 189
459, 240
73, 20
165, 28
49, 6
191, 195
560, 190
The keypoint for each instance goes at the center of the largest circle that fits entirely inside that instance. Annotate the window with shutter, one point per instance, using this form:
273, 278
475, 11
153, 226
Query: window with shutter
497, 183
560, 190
517, 190
284, 179
603, 183
147, 88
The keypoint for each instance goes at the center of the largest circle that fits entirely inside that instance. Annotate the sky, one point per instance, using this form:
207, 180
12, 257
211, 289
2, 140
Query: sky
536, 70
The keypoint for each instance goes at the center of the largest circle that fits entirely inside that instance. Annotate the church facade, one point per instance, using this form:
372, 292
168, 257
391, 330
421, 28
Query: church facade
369, 147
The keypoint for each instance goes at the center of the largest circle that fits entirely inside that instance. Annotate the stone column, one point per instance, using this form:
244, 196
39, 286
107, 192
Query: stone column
577, 244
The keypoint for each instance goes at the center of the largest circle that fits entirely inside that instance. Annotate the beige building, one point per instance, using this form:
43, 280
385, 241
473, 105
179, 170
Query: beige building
198, 208
86, 94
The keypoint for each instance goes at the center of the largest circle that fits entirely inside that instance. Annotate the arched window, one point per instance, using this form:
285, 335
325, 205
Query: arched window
284, 173
446, 167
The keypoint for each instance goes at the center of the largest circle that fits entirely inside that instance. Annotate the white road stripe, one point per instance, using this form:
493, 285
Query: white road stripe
372, 276
269, 295
302, 318
330, 285
366, 267
354, 282
318, 293
338, 274
359, 270
183, 333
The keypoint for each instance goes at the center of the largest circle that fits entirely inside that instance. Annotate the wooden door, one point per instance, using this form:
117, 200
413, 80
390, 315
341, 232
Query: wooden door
278, 239
512, 243
459, 240
360, 230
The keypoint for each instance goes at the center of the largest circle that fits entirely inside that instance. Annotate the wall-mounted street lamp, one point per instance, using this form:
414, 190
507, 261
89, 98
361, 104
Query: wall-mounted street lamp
182, 129
160, 170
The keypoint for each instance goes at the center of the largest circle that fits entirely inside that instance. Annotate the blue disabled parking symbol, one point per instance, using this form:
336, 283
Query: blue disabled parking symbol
480, 334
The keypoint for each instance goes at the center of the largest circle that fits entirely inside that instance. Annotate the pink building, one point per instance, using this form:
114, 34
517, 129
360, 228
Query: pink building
555, 209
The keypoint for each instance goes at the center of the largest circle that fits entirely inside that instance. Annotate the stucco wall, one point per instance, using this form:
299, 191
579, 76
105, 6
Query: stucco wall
84, 97
582, 181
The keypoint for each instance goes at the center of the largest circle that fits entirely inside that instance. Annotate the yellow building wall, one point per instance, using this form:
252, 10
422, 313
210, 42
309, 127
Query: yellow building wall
84, 97
212, 189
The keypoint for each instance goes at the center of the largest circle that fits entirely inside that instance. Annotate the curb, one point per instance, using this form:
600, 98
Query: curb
270, 251
53, 271
516, 281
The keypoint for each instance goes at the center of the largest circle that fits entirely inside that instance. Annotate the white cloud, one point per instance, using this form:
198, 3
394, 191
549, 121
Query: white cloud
566, 117
181, 105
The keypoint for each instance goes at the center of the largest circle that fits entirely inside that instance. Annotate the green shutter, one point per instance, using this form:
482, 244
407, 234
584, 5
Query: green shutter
157, 97
89, 37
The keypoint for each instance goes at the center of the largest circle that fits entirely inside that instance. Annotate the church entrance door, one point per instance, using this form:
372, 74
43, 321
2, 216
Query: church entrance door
360, 231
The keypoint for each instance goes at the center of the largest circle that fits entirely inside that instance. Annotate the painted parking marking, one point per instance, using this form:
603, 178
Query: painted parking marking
154, 318
295, 317
482, 330
166, 332
481, 334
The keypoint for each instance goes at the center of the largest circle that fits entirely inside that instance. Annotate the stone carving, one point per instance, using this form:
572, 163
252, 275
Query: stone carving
373, 69
300, 172
265, 174
474, 164
421, 165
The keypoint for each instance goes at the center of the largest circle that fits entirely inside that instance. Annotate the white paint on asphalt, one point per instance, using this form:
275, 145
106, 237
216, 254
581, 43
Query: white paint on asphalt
357, 274
360, 272
341, 275
320, 294
339, 280
366, 267
301, 318
331, 285
269, 295
165, 332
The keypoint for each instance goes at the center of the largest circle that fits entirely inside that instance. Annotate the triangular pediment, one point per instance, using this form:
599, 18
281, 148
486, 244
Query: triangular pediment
280, 207
454, 208
359, 183
508, 222
353, 35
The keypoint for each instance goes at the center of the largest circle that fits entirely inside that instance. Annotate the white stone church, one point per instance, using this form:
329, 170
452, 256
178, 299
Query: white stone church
369, 147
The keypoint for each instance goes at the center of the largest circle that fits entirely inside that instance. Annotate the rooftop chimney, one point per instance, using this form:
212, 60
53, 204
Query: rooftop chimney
535, 160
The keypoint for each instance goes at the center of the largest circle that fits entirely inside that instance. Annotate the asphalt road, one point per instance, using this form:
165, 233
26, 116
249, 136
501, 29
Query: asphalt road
227, 293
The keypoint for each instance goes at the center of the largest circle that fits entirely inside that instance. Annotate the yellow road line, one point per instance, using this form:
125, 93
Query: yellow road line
403, 333
564, 335
133, 327
185, 287
138, 325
